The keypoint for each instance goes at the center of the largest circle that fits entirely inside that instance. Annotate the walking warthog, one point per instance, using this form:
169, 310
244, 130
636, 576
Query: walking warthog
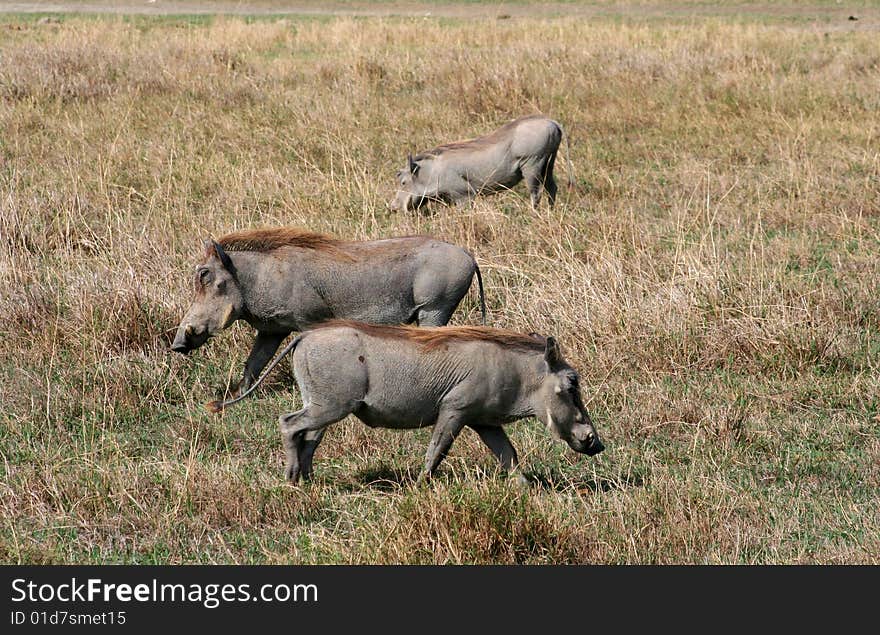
286, 280
525, 148
403, 377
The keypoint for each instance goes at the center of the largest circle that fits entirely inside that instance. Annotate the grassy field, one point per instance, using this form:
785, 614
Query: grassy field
713, 274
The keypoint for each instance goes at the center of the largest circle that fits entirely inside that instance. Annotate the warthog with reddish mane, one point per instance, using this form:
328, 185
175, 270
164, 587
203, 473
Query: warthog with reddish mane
403, 377
286, 280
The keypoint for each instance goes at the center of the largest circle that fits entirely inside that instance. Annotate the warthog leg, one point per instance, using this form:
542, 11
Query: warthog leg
435, 317
496, 438
539, 175
292, 448
264, 348
311, 441
448, 425
295, 427
550, 182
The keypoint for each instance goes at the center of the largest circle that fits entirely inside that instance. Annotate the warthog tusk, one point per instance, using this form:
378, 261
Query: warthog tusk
227, 317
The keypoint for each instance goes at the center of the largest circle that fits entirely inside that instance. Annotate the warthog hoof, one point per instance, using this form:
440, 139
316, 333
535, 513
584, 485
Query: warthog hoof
292, 473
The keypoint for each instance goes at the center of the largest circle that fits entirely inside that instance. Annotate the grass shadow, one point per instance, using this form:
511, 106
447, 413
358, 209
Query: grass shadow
383, 478
556, 481
388, 478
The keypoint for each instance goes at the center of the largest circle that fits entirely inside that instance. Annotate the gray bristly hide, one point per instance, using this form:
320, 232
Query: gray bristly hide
525, 148
449, 378
289, 288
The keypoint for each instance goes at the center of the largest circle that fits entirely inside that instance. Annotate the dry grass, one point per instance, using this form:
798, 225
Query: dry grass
713, 275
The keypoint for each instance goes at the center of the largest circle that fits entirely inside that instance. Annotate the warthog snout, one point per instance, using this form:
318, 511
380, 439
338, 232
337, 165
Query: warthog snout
187, 339
179, 344
179, 347
586, 442
403, 202
594, 445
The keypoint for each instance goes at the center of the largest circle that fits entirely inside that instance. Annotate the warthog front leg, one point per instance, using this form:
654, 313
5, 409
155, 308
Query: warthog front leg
496, 438
499, 443
434, 317
264, 348
445, 431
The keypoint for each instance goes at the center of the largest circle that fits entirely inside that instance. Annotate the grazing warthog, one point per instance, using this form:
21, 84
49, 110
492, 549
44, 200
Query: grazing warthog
285, 280
403, 377
525, 148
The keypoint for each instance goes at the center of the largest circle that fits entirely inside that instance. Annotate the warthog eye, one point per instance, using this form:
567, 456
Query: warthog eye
204, 275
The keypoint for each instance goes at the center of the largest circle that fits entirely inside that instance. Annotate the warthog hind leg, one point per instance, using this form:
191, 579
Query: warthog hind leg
292, 449
311, 441
301, 431
550, 182
539, 175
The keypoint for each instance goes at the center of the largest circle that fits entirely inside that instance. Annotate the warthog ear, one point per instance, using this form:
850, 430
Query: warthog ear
552, 355
221, 254
413, 166
213, 248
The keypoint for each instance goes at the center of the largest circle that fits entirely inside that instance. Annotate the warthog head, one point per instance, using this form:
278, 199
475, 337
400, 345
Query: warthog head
559, 404
412, 188
217, 301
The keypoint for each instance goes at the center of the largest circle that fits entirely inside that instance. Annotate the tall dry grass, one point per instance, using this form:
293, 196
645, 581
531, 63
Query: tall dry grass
713, 275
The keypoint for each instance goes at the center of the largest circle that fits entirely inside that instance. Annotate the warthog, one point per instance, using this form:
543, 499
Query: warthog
403, 377
285, 280
525, 148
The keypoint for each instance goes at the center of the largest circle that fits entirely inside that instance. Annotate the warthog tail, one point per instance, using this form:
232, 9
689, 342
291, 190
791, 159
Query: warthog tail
480, 287
218, 406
